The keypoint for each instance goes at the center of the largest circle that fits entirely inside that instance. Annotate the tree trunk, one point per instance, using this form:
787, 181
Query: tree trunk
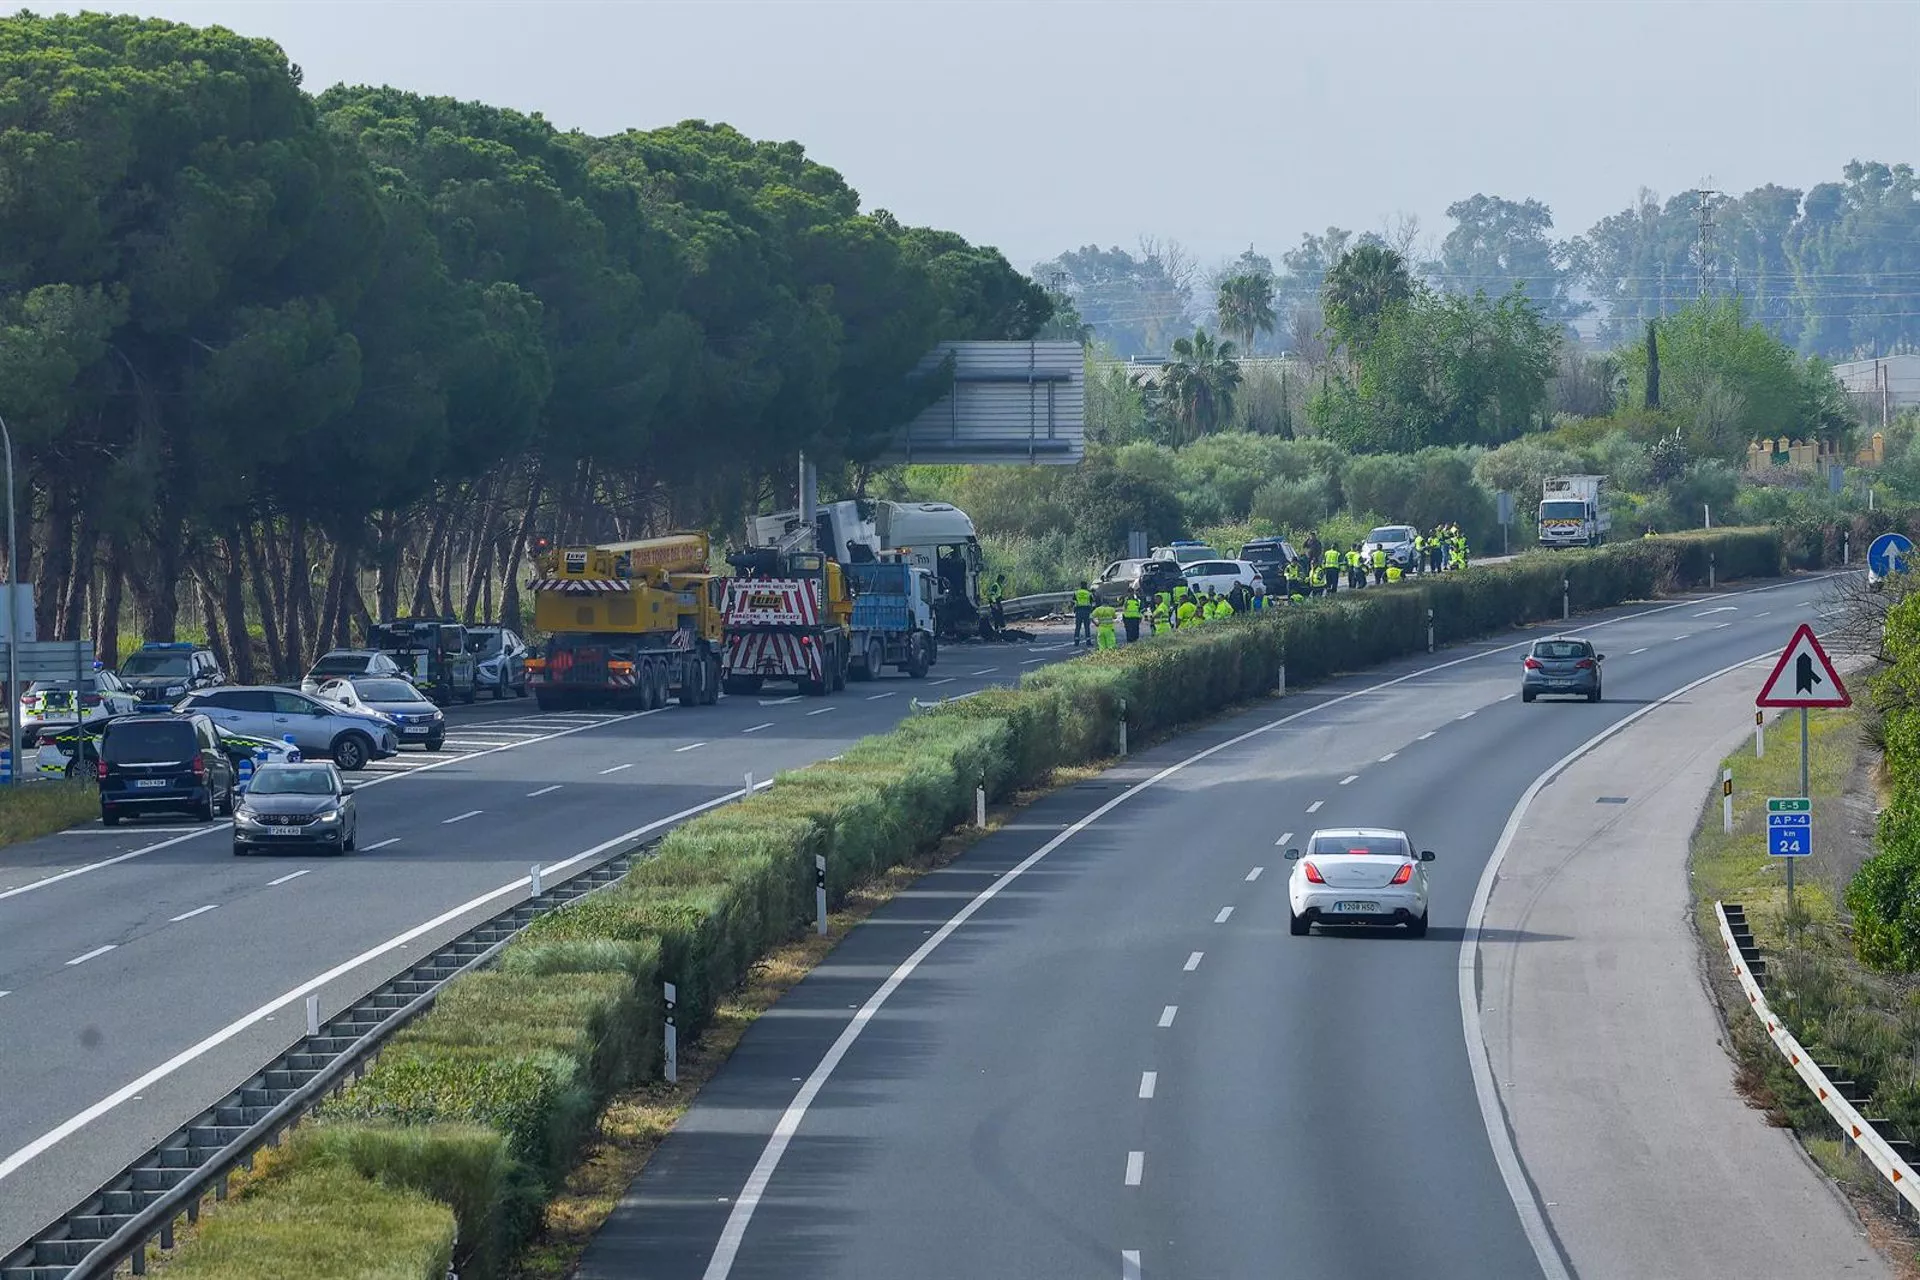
211, 608
56, 563
423, 585
510, 593
234, 602
324, 628
299, 589
386, 587
108, 628
79, 587
269, 616
163, 585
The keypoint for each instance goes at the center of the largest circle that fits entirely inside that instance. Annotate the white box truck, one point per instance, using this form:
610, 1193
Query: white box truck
1573, 511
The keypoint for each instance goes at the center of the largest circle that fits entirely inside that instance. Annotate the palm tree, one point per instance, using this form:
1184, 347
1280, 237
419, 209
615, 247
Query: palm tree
1360, 287
1198, 383
1245, 306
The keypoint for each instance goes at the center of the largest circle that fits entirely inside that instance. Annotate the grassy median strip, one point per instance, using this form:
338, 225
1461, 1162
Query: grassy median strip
1864, 1022
35, 809
535, 1053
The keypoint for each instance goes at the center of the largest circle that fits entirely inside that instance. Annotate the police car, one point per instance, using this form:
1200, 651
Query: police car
69, 750
46, 703
161, 673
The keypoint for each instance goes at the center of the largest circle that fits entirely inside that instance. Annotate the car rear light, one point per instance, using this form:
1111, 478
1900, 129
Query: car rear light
199, 766
1585, 664
1404, 874
1313, 873
103, 769
1533, 664
91, 700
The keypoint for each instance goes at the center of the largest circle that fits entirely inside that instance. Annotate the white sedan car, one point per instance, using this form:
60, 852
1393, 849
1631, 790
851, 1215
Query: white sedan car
1220, 575
1358, 875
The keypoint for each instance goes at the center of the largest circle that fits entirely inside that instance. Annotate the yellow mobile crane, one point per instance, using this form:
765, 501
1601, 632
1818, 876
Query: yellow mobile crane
631, 624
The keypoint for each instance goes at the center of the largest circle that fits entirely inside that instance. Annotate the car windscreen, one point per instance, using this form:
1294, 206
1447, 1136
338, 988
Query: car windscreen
483, 644
1562, 649
148, 742
1388, 533
292, 780
340, 664
156, 664
387, 691
1563, 511
1376, 846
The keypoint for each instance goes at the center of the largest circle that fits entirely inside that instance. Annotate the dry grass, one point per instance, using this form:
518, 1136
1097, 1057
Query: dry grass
635, 1123
36, 809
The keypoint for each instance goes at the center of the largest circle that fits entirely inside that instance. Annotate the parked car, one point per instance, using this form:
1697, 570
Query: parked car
1220, 575
73, 750
1564, 666
419, 721
1270, 556
1395, 539
1156, 576
297, 806
1115, 582
500, 656
163, 763
47, 702
351, 739
1184, 551
160, 673
336, 663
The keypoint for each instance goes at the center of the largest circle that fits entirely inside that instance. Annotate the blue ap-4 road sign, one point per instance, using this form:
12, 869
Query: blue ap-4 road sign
1789, 826
1889, 554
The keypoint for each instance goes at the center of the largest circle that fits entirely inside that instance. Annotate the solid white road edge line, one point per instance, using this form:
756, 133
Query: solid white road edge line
73, 1124
747, 1203
359, 786
1492, 1111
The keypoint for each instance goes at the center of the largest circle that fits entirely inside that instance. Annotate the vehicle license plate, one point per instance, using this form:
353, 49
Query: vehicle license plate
415, 729
1357, 908
1559, 684
149, 782
283, 831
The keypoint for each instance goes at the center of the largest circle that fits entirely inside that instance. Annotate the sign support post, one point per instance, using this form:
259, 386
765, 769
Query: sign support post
1802, 679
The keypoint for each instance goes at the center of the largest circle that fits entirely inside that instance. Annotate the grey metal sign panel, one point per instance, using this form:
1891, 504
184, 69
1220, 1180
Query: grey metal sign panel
1012, 402
51, 659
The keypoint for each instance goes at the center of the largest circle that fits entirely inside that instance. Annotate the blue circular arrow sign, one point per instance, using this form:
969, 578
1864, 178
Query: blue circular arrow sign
1888, 554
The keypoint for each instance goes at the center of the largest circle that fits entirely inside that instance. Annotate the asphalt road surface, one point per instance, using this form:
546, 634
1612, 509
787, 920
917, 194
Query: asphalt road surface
144, 970
1089, 1046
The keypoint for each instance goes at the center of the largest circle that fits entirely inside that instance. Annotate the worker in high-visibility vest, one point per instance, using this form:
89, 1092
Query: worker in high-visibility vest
1189, 614
1393, 573
1103, 627
1163, 621
1379, 566
1130, 617
1331, 566
1223, 609
1356, 576
1082, 614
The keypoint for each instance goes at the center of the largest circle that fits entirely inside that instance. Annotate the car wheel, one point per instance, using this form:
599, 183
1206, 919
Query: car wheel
352, 840
1526, 695
435, 743
471, 693
208, 807
239, 850
1298, 926
226, 802
1595, 695
1417, 928
351, 751
109, 817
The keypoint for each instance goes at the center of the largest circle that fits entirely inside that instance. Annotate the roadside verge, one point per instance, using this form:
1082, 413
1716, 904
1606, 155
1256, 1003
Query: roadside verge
1605, 1041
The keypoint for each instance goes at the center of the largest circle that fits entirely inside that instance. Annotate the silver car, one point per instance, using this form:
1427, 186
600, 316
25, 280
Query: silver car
1396, 540
350, 664
323, 731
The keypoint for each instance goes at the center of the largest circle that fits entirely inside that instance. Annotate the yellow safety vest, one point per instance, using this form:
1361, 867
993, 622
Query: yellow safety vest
1132, 609
1379, 557
1104, 615
1082, 598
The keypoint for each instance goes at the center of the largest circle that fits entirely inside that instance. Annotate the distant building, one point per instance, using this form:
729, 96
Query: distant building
1899, 376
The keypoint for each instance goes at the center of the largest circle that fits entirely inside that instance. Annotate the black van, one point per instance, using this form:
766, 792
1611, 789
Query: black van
163, 763
1270, 556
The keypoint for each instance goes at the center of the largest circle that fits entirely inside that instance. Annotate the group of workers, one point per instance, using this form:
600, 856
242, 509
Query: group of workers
1315, 573
1101, 625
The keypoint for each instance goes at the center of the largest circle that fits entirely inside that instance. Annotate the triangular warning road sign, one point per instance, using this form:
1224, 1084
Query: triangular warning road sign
1804, 677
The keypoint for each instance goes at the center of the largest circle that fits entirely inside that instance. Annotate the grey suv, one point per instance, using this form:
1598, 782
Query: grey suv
350, 739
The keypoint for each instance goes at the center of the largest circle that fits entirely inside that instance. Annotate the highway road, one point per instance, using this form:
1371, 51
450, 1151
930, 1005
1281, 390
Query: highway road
145, 971
1089, 1046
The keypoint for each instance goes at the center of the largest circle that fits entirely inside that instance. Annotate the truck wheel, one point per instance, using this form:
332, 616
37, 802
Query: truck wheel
917, 658
693, 682
712, 665
840, 664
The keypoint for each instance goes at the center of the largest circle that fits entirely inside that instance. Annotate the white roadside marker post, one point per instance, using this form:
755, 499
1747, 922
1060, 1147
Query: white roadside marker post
748, 793
1566, 600
1429, 630
533, 880
1759, 735
1726, 801
1283, 681
672, 1038
980, 806
313, 1015
1123, 728
820, 894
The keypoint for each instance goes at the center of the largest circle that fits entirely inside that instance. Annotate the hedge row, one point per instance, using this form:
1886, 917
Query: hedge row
529, 1053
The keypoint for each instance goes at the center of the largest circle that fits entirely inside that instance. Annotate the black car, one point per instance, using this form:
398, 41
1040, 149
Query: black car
162, 673
1270, 556
163, 764
1157, 576
297, 806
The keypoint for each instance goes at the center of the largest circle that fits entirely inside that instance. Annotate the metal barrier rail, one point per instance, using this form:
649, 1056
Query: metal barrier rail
1889, 1156
116, 1223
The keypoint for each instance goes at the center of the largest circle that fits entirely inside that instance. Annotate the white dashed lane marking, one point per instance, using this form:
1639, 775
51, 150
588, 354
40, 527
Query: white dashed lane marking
1166, 1015
97, 951
461, 817
1254, 874
197, 911
1147, 1081
1225, 912
1193, 962
1136, 1166
545, 790
290, 876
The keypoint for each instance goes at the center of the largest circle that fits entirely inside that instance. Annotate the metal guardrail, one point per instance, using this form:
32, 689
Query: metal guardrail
1892, 1157
1037, 606
142, 1203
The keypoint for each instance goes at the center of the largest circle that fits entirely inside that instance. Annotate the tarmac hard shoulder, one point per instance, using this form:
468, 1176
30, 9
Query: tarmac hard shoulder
1603, 1040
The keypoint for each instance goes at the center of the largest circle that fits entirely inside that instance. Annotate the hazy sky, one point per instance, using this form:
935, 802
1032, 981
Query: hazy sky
1047, 124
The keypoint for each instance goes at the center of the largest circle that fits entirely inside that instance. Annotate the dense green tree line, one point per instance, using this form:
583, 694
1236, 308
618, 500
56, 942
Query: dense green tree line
262, 348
